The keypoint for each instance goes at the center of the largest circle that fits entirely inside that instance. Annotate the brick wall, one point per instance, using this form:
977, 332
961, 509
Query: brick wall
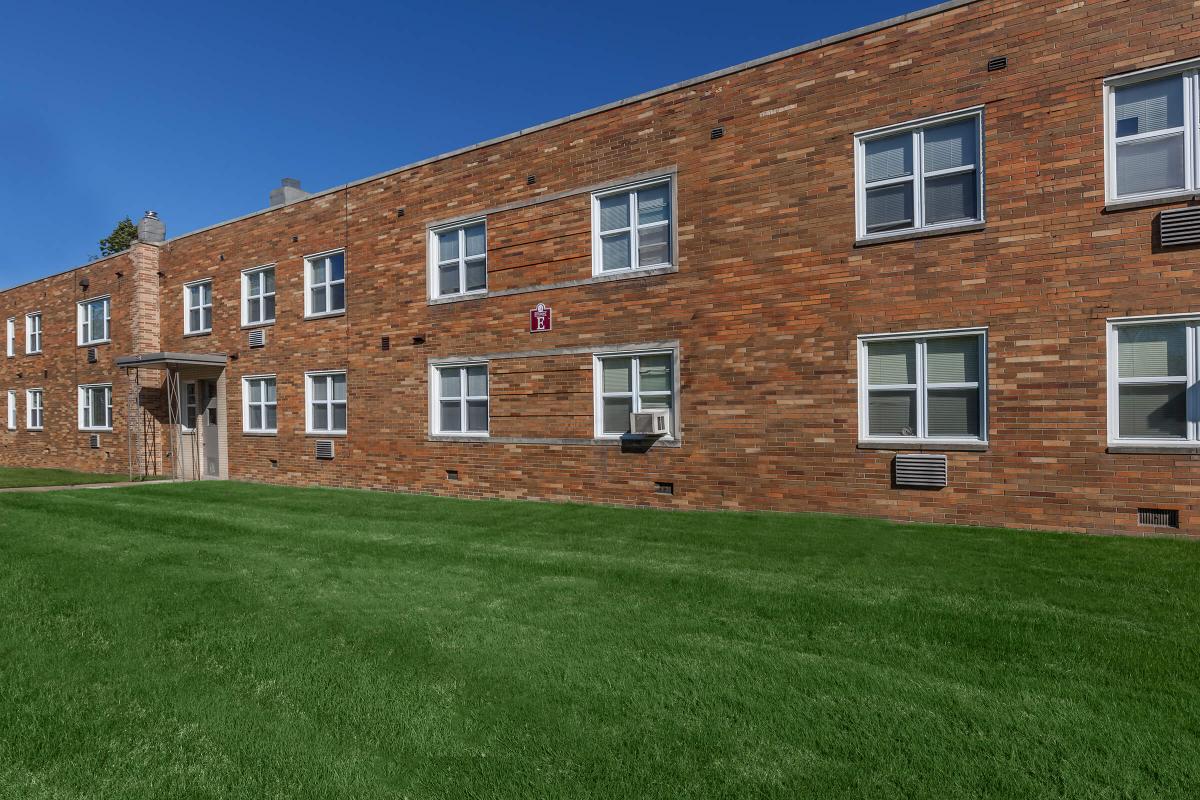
768, 296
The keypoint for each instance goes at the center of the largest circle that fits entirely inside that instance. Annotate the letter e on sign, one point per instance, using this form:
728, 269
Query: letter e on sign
540, 319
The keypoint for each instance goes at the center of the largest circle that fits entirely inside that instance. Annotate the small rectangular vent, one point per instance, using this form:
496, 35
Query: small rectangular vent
663, 487
1159, 517
258, 338
451, 474
325, 449
385, 343
94, 441
921, 470
531, 180
996, 64
716, 133
1179, 227
91, 355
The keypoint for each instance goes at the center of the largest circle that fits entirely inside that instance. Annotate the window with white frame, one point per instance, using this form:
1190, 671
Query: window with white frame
925, 175
458, 259
33, 333
12, 336
190, 400
631, 227
197, 307
461, 399
94, 317
923, 386
325, 284
1153, 380
326, 401
626, 383
258, 296
12, 409
95, 407
1152, 124
33, 409
258, 410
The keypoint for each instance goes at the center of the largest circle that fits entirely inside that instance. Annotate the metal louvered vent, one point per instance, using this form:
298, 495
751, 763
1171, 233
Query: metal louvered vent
325, 449
95, 441
1159, 517
91, 355
921, 470
1179, 226
258, 338
998, 63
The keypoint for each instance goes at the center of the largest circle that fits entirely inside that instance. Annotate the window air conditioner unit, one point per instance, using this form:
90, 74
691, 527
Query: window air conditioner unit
1179, 227
91, 355
94, 441
650, 423
258, 338
325, 449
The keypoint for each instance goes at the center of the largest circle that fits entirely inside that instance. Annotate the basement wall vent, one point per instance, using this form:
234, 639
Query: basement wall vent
716, 133
1179, 227
997, 64
921, 470
91, 355
1159, 517
258, 338
451, 474
94, 441
663, 487
385, 343
325, 449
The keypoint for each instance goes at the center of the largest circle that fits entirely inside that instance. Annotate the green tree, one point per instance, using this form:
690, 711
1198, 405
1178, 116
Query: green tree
121, 238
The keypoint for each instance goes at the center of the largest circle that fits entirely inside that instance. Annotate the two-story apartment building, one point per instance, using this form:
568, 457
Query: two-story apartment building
940, 268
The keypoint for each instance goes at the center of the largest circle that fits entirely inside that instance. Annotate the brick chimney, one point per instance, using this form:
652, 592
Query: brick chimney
289, 191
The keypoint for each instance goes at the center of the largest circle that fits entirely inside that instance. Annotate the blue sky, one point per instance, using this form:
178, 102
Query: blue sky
197, 110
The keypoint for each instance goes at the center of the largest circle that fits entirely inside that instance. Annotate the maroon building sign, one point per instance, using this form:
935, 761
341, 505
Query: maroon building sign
540, 319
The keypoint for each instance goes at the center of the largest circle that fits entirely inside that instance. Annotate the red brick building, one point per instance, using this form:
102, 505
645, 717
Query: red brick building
941, 235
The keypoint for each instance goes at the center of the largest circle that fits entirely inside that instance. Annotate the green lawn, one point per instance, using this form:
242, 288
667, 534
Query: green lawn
13, 477
216, 640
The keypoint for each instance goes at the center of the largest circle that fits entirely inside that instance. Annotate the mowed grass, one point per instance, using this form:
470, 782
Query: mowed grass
217, 640
15, 477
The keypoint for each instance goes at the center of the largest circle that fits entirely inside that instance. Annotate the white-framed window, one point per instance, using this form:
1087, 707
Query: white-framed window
625, 383
632, 227
189, 402
11, 336
458, 259
928, 386
325, 284
94, 318
1154, 380
33, 409
325, 397
460, 399
197, 307
12, 409
95, 407
258, 295
33, 333
924, 175
1152, 127
258, 404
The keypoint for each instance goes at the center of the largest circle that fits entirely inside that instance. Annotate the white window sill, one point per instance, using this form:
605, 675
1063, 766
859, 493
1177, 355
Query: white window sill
450, 298
95, 430
326, 315
932, 445
324, 434
454, 435
920, 233
260, 433
1144, 201
602, 273
193, 334
35, 430
264, 324
97, 342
